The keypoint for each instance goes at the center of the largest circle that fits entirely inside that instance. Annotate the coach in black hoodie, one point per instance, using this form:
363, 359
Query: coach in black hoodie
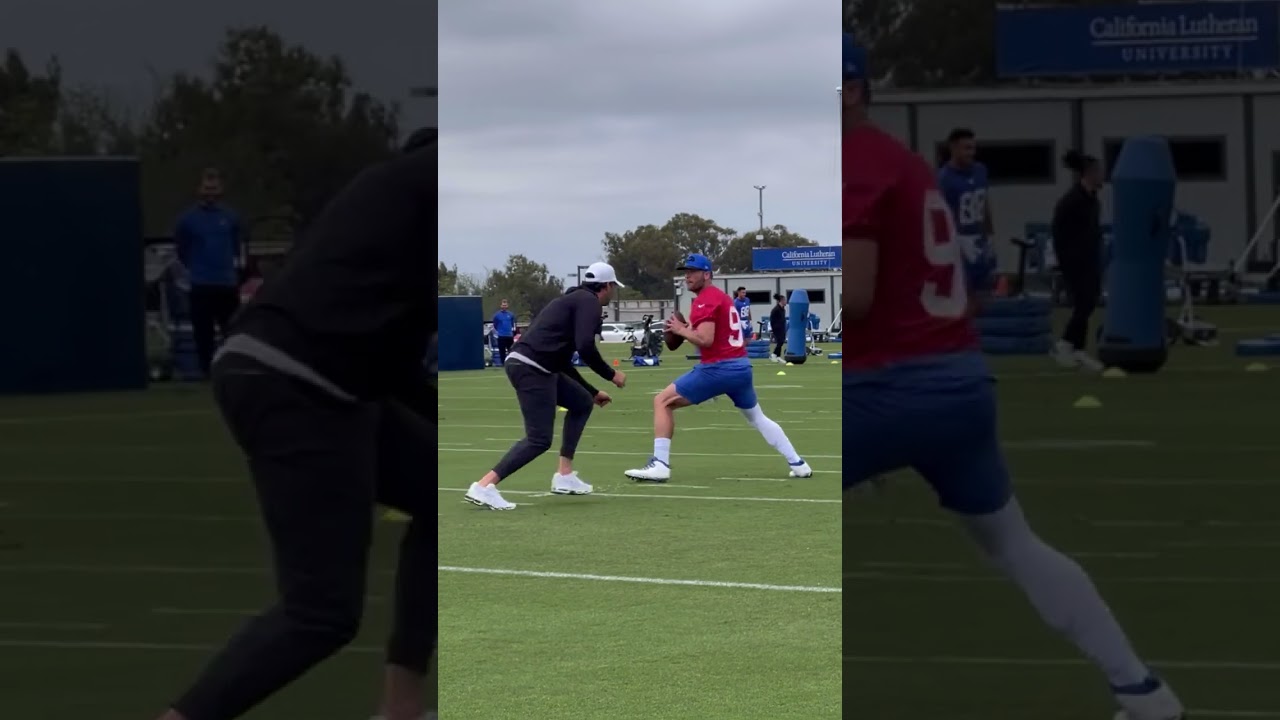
323, 383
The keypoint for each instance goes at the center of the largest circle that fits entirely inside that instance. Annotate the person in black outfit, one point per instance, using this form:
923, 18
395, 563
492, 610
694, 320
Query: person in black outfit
1077, 242
324, 384
778, 326
540, 368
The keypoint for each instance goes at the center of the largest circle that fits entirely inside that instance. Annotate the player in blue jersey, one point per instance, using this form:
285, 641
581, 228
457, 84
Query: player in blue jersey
743, 306
918, 394
966, 187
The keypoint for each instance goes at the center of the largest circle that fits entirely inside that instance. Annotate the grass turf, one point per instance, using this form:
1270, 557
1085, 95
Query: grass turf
129, 548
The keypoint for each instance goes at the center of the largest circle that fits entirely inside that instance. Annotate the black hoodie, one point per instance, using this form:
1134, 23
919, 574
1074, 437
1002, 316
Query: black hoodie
352, 301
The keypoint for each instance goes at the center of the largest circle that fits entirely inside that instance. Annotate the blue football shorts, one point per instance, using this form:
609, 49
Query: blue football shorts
733, 378
936, 416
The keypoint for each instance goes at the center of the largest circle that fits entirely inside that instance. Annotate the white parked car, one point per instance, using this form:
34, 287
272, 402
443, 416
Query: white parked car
617, 332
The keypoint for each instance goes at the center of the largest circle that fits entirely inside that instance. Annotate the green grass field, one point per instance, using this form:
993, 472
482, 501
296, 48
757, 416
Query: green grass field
586, 647
129, 548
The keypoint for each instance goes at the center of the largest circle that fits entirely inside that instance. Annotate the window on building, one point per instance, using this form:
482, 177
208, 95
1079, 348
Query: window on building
1201, 159
817, 296
1013, 162
760, 297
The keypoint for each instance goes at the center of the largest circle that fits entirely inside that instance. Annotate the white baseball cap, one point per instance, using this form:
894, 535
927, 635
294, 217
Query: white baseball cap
601, 273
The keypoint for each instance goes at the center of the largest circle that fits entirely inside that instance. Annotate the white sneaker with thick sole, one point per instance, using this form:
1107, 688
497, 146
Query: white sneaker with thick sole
1087, 362
487, 496
801, 470
1157, 703
1064, 354
569, 484
656, 472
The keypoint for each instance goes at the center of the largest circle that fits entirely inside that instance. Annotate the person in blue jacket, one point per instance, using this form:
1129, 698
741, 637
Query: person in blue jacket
504, 328
209, 243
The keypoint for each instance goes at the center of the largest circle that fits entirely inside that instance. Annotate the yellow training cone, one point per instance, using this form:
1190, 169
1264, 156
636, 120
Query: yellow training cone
1256, 367
780, 372
561, 409
1088, 402
788, 364
1114, 373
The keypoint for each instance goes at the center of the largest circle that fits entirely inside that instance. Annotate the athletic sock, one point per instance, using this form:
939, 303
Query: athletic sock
1061, 592
662, 450
772, 433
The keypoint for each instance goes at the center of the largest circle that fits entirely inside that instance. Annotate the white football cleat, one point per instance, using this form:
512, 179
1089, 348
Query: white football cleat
656, 472
569, 484
487, 496
1158, 703
801, 470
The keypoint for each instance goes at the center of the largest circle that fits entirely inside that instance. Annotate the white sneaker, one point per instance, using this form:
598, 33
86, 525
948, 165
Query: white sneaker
1086, 362
487, 496
569, 484
656, 471
1159, 704
775, 358
801, 470
1064, 353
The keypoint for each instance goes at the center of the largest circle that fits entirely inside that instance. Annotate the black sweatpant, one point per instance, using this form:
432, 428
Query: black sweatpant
211, 307
1084, 284
504, 347
319, 465
538, 395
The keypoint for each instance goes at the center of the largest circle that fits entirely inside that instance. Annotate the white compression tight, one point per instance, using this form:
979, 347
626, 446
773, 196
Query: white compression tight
1060, 591
772, 432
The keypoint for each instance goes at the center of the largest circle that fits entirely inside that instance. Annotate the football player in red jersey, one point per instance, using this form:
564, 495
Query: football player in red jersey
918, 394
715, 326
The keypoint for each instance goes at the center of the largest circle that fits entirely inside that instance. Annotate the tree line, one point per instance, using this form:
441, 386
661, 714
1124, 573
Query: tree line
286, 127
645, 258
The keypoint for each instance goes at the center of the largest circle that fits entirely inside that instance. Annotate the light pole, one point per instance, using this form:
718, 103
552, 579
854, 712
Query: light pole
578, 273
760, 212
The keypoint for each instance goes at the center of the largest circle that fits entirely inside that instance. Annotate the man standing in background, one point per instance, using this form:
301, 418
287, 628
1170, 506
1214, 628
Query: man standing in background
966, 186
743, 306
504, 327
778, 326
209, 243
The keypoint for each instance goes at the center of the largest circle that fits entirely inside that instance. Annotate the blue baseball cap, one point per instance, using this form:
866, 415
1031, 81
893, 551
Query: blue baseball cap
697, 262
855, 60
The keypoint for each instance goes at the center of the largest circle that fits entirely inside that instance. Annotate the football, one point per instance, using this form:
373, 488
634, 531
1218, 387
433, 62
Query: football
673, 340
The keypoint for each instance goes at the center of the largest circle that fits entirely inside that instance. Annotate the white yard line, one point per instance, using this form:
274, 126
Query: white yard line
38, 625
93, 417
616, 453
1011, 662
143, 646
657, 496
639, 580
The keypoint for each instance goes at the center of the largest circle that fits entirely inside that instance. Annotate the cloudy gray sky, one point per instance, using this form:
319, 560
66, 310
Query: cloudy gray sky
563, 119
388, 44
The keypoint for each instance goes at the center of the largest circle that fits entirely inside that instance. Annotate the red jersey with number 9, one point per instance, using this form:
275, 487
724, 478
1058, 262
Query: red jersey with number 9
921, 304
729, 341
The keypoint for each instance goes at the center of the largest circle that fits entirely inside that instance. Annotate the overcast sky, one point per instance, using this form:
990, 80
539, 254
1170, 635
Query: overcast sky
387, 44
563, 119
